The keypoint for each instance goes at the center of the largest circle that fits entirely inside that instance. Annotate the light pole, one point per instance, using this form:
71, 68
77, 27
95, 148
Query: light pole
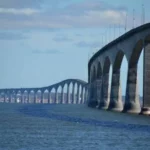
143, 14
133, 17
126, 22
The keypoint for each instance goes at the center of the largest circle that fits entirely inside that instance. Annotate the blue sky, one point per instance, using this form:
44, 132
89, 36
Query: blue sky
45, 41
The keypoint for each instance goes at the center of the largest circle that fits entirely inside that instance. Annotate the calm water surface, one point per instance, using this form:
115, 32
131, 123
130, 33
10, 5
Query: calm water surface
70, 127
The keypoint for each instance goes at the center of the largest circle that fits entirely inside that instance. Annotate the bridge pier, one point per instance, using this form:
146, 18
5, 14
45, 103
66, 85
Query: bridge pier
104, 102
49, 97
116, 95
56, 96
9, 97
146, 83
34, 97
28, 97
78, 95
15, 97
42, 97
22, 96
132, 102
4, 97
73, 95
81, 100
98, 88
92, 102
62, 95
68, 94
86, 95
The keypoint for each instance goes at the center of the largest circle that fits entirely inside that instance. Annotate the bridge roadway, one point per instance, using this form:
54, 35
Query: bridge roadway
78, 95
129, 45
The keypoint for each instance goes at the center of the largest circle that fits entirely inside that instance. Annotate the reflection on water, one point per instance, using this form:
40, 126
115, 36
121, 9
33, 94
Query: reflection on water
70, 127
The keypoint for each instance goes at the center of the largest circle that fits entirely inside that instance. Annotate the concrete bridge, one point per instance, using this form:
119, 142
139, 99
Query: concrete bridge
129, 45
49, 94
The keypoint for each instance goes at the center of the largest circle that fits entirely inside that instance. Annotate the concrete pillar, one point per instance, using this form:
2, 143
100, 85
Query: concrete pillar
132, 103
98, 91
68, 94
4, 97
82, 95
8, 97
51, 94
22, 97
73, 93
78, 94
62, 95
42, 97
56, 96
116, 95
28, 99
85, 94
146, 80
49, 97
104, 102
92, 102
15, 97
0, 96
34, 97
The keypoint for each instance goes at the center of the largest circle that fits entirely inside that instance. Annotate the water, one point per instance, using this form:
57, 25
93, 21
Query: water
70, 127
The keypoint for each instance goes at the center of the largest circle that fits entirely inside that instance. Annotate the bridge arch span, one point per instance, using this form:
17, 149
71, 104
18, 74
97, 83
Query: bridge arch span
129, 45
54, 95
116, 94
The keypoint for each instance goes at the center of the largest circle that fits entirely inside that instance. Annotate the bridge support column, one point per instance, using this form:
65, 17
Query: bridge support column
132, 103
15, 97
49, 97
98, 90
104, 102
42, 97
146, 82
116, 96
92, 101
62, 95
28, 97
9, 97
56, 97
78, 94
85, 95
82, 95
4, 97
73, 95
22, 96
68, 94
34, 97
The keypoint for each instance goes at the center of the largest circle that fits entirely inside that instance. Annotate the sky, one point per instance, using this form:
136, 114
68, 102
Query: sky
45, 41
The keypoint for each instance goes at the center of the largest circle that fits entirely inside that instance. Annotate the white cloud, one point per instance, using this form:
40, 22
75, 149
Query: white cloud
20, 3
83, 14
24, 11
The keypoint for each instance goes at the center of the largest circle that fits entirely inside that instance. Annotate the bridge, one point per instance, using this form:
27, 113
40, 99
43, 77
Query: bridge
129, 45
49, 94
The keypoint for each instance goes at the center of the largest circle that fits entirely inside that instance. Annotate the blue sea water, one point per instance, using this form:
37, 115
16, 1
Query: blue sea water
70, 127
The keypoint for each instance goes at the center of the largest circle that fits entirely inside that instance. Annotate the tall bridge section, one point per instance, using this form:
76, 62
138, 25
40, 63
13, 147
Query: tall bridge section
70, 91
129, 45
